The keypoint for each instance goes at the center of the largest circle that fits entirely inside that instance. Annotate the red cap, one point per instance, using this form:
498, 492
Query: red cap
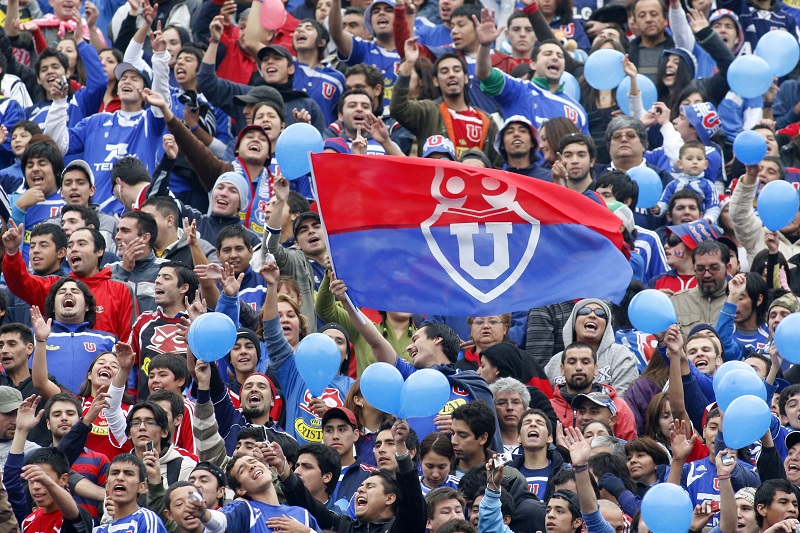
342, 413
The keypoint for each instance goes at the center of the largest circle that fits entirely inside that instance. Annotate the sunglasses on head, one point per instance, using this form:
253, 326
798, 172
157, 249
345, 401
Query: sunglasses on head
599, 312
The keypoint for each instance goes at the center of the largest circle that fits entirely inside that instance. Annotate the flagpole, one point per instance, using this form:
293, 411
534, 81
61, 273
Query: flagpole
314, 191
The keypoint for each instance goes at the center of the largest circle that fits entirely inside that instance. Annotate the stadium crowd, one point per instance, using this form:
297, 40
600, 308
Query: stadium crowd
139, 189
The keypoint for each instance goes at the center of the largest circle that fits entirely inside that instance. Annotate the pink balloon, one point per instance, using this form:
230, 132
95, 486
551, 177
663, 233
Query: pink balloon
273, 14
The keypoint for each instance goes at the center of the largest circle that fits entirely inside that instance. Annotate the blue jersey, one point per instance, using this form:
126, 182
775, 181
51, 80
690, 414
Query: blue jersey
72, 348
752, 340
87, 100
324, 85
253, 289
733, 110
537, 479
251, 516
583, 9
526, 98
48, 208
106, 137
10, 113
438, 35
301, 422
371, 53
11, 177
701, 186
699, 478
757, 22
649, 246
141, 521
451, 482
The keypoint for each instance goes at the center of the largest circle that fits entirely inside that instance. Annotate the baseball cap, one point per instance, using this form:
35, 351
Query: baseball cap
624, 213
792, 438
343, 413
10, 399
704, 119
302, 217
439, 144
81, 164
693, 233
261, 93
603, 400
122, 68
275, 49
214, 470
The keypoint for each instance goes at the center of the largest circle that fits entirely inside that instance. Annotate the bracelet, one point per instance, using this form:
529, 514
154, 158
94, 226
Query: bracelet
212, 40
581, 468
491, 486
723, 476
195, 128
283, 471
39, 340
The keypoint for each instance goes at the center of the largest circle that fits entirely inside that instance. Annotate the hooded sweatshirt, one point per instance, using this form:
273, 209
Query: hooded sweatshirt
625, 426
616, 364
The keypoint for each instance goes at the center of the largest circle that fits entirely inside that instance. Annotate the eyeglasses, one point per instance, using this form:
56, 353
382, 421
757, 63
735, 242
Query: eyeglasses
714, 269
617, 135
482, 321
673, 241
147, 422
504, 403
599, 313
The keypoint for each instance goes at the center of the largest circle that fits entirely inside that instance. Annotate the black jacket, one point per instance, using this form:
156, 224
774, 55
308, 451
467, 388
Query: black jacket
410, 517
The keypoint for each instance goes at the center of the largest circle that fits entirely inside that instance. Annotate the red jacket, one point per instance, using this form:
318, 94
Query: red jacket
116, 306
625, 426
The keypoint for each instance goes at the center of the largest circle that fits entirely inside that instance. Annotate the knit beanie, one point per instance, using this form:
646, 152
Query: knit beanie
238, 181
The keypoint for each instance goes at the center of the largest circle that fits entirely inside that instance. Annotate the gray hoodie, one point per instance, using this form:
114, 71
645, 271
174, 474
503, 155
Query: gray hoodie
616, 364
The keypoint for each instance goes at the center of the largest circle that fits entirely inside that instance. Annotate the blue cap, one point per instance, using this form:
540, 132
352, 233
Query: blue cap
693, 233
439, 144
704, 119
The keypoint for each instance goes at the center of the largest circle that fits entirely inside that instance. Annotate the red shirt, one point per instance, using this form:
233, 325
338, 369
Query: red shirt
677, 283
467, 129
41, 522
100, 439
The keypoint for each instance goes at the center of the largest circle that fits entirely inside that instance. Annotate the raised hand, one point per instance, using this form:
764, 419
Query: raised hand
41, 328
170, 146
99, 403
12, 238
377, 129
203, 375
359, 144
190, 230
681, 446
674, 339
411, 49
301, 116
216, 27
338, 288
280, 188
153, 98
92, 14
149, 12
27, 419
697, 20
230, 282
579, 448
400, 432
78, 36
737, 287
125, 356
270, 272
157, 40
211, 272
197, 308
485, 28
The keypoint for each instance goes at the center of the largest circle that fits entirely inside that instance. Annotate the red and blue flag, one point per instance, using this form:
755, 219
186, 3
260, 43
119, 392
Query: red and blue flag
437, 237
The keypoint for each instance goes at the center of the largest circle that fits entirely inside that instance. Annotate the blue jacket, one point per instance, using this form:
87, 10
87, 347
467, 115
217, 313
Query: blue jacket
72, 348
490, 514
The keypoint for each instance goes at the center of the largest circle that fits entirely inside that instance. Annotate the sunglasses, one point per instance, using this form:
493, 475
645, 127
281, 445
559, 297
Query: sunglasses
673, 240
599, 313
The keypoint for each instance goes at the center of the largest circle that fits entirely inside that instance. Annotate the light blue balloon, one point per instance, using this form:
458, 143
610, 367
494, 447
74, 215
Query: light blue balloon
571, 86
292, 149
780, 50
667, 508
746, 420
749, 76
739, 383
646, 87
382, 386
650, 187
424, 394
777, 204
317, 359
749, 147
787, 338
651, 311
730, 366
603, 69
211, 336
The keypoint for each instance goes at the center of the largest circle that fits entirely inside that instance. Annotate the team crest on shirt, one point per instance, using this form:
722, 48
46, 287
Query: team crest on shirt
328, 90
90, 346
313, 432
165, 339
474, 132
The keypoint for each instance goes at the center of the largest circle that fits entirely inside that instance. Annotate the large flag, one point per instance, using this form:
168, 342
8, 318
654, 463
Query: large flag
432, 236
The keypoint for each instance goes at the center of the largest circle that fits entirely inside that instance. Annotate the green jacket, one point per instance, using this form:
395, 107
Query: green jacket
328, 311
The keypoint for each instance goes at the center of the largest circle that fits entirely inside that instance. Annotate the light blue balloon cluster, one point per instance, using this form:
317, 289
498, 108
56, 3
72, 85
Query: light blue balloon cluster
746, 420
293, 146
423, 394
780, 50
317, 359
778, 203
787, 338
651, 311
749, 76
650, 186
603, 69
211, 336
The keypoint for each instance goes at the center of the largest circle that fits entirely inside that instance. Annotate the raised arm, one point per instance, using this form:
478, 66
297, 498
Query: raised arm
41, 331
342, 39
381, 348
487, 35
252, 44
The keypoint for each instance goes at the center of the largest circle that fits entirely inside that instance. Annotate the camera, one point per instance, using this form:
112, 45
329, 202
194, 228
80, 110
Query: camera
502, 460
